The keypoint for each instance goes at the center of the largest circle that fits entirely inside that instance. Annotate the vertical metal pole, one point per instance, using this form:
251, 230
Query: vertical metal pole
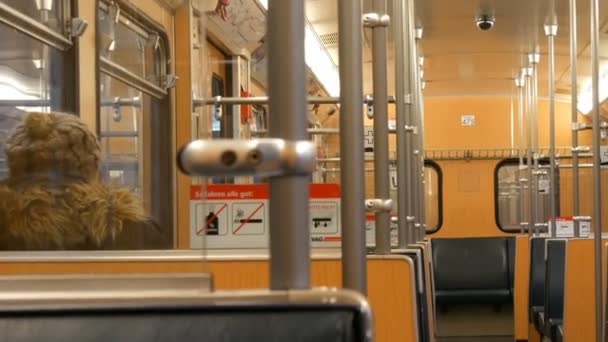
381, 160
512, 118
574, 110
420, 118
289, 231
531, 183
534, 60
597, 188
412, 141
519, 84
354, 266
402, 99
551, 32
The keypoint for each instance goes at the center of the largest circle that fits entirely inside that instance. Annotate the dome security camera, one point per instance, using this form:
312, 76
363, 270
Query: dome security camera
485, 22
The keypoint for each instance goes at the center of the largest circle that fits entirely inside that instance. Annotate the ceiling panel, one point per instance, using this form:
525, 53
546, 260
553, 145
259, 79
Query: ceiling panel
459, 57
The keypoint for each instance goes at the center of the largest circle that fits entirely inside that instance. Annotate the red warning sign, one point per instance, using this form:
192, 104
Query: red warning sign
237, 215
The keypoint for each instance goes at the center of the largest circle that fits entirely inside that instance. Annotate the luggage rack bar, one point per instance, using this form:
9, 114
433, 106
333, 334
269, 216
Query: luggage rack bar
263, 100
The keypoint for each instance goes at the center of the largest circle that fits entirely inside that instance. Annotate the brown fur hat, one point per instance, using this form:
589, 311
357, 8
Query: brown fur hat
54, 143
53, 198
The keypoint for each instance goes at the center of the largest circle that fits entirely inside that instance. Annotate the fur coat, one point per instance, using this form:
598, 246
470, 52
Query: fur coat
54, 199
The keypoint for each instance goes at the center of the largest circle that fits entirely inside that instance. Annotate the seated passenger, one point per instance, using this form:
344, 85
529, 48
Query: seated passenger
54, 198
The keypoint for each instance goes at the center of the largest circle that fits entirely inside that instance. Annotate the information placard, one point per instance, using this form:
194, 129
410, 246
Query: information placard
370, 232
236, 216
565, 227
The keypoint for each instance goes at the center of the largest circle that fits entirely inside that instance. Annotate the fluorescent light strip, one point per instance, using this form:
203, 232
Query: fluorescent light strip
318, 59
585, 97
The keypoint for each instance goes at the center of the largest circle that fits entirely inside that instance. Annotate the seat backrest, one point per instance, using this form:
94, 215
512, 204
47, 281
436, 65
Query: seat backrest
555, 273
470, 263
416, 254
511, 260
326, 316
537, 272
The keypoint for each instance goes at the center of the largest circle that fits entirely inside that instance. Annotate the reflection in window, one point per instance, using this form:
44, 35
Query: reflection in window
135, 113
52, 13
121, 133
130, 44
508, 195
432, 195
25, 82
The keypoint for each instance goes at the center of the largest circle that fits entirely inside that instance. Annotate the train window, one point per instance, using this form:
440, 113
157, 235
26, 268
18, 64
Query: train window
135, 113
508, 196
52, 14
433, 196
34, 75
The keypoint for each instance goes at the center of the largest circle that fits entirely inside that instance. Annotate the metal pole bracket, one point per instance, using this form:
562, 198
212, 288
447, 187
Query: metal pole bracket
374, 20
411, 129
581, 149
582, 218
260, 157
580, 126
550, 30
379, 205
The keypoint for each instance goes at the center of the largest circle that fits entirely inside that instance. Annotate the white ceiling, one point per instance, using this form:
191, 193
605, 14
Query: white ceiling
461, 60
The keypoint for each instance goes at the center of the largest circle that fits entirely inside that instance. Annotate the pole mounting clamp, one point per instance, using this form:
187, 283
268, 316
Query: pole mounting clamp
268, 157
379, 205
581, 149
582, 218
374, 20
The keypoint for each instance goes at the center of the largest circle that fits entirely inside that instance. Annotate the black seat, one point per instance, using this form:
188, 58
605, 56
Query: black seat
536, 299
511, 263
272, 319
472, 270
417, 255
554, 287
424, 304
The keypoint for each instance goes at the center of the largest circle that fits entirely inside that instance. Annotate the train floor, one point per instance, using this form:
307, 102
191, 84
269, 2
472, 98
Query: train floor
475, 323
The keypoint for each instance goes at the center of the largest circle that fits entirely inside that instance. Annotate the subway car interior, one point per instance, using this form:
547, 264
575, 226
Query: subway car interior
303, 170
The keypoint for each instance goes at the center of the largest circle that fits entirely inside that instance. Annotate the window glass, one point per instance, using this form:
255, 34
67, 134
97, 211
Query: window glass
121, 133
508, 196
25, 82
433, 196
130, 44
51, 13
134, 119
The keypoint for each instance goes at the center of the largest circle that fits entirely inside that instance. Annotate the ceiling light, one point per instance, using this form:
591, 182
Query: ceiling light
585, 97
37, 63
318, 59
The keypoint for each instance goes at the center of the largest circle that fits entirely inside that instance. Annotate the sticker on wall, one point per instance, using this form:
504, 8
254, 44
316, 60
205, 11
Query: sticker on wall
237, 216
468, 120
604, 156
368, 141
565, 227
370, 232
